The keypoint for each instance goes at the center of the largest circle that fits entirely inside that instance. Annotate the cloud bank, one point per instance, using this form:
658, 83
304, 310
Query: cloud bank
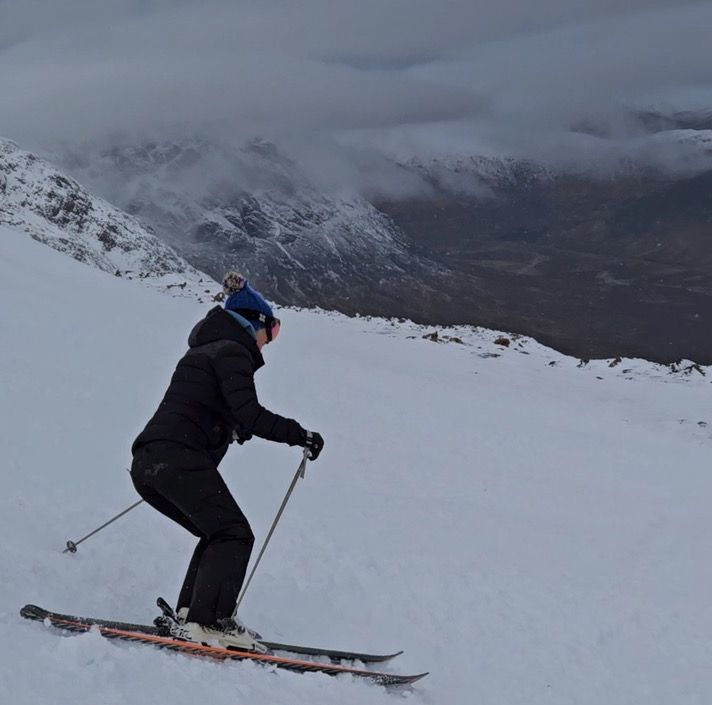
405, 77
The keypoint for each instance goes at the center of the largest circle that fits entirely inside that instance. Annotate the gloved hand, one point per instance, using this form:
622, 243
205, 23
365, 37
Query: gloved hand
240, 435
314, 443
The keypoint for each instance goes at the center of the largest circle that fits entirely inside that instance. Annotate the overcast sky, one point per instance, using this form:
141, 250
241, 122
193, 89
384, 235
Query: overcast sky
403, 75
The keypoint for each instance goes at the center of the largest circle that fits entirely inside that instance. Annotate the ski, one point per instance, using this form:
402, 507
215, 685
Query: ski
37, 613
155, 637
333, 654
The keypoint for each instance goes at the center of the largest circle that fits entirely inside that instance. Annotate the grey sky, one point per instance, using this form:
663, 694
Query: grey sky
403, 75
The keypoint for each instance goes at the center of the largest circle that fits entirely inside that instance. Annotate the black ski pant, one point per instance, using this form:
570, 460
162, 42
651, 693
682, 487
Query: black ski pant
186, 486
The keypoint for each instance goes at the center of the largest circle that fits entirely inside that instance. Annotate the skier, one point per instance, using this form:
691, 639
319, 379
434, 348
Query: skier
210, 402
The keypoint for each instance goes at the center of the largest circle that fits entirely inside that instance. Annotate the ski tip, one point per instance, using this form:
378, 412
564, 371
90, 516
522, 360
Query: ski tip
33, 612
392, 680
377, 658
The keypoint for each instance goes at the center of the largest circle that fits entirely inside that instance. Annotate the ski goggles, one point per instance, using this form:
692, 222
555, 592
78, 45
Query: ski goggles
272, 328
271, 324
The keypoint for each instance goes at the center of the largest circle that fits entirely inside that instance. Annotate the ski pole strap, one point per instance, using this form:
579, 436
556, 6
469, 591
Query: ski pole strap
300, 473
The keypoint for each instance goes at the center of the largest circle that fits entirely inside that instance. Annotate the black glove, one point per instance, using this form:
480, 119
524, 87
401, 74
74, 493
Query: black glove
314, 443
240, 435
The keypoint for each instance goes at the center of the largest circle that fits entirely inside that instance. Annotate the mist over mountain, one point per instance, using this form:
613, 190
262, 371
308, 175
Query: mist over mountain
254, 209
542, 169
596, 263
351, 82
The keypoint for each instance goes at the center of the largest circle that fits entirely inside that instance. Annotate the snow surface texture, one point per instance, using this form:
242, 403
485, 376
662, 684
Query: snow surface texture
528, 532
56, 210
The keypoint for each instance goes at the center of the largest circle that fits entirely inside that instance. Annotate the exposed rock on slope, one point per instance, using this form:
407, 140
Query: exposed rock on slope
56, 210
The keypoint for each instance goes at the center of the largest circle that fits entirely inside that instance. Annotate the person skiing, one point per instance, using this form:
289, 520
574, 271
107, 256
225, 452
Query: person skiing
210, 402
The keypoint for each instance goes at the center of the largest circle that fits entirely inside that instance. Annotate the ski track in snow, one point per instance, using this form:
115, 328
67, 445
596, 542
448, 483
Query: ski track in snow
528, 532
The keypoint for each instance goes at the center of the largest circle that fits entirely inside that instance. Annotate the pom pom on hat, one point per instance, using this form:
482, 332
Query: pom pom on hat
232, 283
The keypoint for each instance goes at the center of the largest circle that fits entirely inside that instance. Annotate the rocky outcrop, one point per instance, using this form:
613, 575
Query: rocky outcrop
55, 209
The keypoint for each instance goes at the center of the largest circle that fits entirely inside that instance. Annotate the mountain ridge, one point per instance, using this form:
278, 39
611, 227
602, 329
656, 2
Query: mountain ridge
55, 209
597, 266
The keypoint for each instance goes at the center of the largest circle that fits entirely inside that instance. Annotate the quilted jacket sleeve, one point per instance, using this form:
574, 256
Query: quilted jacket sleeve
233, 367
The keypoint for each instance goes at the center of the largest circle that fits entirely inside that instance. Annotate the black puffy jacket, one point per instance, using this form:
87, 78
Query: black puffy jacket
212, 392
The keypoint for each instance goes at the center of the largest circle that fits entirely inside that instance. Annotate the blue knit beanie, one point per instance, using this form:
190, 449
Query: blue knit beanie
240, 296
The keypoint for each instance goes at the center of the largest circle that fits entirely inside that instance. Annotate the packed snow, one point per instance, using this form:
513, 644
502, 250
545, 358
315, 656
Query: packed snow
527, 527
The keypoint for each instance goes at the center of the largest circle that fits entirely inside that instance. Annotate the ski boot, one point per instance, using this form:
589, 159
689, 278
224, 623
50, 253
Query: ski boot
229, 633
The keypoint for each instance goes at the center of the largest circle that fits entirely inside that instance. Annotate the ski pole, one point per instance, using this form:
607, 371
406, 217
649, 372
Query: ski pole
72, 545
300, 473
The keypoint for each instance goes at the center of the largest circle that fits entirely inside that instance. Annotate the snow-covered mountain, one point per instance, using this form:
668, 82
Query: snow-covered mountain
527, 527
603, 254
217, 205
608, 260
56, 210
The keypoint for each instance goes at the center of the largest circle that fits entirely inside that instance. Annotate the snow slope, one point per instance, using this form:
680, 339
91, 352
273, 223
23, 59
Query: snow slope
528, 532
56, 210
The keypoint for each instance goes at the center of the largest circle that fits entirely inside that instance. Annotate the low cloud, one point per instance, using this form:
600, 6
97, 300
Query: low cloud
353, 81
